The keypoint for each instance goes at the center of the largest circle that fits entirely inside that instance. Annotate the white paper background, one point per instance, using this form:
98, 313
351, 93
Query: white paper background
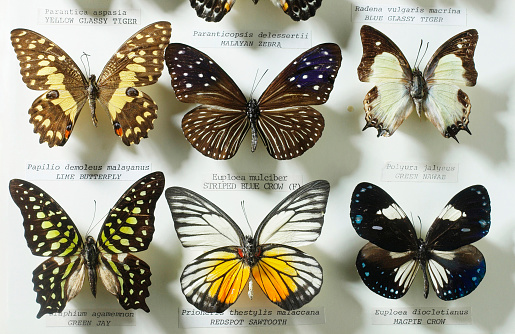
344, 156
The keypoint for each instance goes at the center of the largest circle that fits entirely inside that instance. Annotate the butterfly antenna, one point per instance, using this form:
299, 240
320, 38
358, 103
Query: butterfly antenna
254, 84
420, 224
418, 53
246, 218
86, 68
92, 225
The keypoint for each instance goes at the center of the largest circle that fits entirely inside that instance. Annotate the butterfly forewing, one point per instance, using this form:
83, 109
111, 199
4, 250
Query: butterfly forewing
215, 280
49, 231
129, 226
453, 62
464, 220
387, 273
307, 80
199, 222
196, 78
378, 218
297, 220
457, 273
288, 277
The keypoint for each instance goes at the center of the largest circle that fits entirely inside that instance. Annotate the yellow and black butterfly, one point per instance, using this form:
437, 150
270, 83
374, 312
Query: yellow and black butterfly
289, 277
399, 90
49, 231
45, 66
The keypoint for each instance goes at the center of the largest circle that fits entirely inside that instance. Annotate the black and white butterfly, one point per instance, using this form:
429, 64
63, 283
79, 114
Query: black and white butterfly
389, 263
215, 10
281, 117
50, 232
399, 90
289, 277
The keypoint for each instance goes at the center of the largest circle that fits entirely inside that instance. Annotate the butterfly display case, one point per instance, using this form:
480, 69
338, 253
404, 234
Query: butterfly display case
287, 59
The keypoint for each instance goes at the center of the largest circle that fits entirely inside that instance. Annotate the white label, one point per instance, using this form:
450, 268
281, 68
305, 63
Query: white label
424, 316
381, 13
395, 171
250, 317
90, 318
88, 17
253, 38
251, 181
78, 171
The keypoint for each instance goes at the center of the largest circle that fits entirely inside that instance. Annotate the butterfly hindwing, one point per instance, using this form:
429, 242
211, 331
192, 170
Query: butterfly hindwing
299, 9
378, 218
214, 281
212, 10
387, 273
127, 277
455, 274
56, 281
289, 277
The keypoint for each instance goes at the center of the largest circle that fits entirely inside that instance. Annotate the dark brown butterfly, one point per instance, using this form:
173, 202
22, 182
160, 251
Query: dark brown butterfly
281, 117
45, 66
399, 90
215, 10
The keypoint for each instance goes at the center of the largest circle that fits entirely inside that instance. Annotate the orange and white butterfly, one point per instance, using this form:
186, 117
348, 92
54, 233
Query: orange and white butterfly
289, 277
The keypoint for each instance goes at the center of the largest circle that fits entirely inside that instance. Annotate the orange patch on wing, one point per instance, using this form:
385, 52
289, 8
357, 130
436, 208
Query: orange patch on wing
268, 273
229, 278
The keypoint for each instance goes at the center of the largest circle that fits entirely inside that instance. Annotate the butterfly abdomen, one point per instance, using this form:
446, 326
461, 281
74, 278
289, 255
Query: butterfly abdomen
252, 110
418, 89
90, 253
92, 97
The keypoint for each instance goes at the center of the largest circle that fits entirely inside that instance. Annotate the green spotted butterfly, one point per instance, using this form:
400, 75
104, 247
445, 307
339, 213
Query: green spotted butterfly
50, 232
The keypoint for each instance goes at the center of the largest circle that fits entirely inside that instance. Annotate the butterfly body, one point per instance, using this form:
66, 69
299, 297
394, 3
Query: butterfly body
45, 66
289, 278
389, 262
50, 232
281, 117
434, 92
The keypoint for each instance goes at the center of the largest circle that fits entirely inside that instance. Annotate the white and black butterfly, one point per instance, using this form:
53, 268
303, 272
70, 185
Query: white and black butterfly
389, 263
215, 10
282, 117
399, 90
50, 232
289, 277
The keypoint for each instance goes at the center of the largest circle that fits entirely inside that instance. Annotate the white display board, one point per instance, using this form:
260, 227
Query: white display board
244, 43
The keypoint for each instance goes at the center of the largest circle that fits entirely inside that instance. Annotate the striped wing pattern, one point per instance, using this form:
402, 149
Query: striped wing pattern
282, 116
45, 66
213, 281
50, 232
